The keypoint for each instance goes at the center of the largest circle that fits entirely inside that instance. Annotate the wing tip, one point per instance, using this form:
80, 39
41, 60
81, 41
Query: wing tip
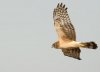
61, 5
79, 58
74, 57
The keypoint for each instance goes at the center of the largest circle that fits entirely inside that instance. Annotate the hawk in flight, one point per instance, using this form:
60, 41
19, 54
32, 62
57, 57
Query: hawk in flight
66, 34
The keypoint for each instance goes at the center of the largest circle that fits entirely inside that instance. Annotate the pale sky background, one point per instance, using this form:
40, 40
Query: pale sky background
27, 33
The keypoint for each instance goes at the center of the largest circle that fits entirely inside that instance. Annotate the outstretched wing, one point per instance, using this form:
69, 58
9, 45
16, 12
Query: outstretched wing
63, 24
72, 52
65, 29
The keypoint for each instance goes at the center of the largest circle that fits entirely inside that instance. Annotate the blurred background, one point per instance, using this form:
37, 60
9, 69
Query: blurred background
27, 33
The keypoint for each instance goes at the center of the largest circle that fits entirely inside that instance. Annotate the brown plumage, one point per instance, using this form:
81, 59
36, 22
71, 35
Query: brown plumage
66, 34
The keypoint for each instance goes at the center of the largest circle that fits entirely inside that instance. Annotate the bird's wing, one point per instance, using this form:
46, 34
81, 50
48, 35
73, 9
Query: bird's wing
65, 29
63, 24
72, 52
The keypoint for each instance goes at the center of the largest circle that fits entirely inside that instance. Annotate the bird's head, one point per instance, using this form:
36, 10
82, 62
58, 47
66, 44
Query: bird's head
55, 45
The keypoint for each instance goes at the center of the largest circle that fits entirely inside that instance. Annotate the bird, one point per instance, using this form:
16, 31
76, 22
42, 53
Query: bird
67, 35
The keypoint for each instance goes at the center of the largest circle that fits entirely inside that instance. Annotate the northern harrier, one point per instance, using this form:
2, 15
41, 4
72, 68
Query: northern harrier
66, 34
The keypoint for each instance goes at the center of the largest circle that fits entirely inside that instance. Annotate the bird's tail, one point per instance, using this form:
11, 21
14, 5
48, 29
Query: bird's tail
90, 45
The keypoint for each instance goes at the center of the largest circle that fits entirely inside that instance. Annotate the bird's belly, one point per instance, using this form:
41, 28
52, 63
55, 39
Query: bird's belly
69, 45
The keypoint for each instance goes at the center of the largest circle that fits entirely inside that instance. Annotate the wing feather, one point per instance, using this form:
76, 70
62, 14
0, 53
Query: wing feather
65, 29
60, 12
72, 52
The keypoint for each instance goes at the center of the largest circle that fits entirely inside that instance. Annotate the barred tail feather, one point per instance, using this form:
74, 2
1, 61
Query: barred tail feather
90, 45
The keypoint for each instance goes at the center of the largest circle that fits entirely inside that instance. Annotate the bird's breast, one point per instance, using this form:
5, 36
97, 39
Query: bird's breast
69, 44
